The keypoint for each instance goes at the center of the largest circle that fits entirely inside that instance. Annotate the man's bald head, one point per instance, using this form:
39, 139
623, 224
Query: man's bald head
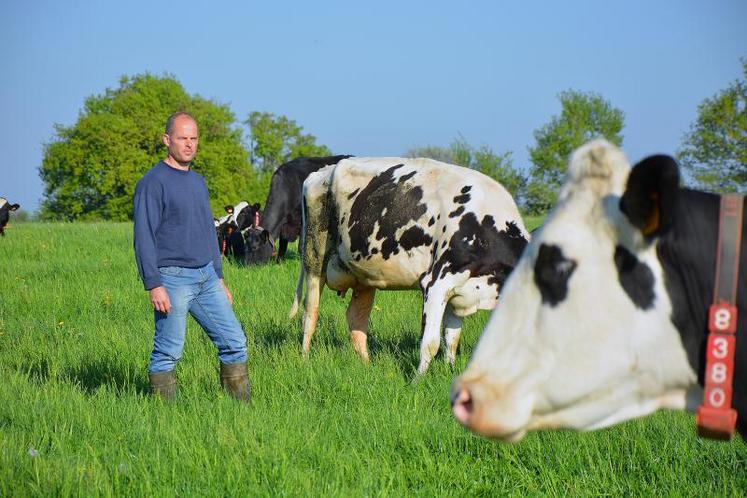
172, 119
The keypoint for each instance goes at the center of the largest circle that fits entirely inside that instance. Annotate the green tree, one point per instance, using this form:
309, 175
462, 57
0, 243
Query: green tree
584, 116
277, 139
498, 166
495, 165
436, 152
90, 169
714, 151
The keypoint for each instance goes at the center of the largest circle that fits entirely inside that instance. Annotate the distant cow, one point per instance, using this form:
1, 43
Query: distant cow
238, 217
5, 210
250, 246
282, 214
605, 317
394, 223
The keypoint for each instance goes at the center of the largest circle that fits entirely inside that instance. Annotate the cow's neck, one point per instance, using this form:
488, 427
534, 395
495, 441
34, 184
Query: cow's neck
688, 256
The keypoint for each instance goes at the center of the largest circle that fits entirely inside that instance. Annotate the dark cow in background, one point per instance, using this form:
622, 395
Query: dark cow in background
605, 317
395, 223
5, 209
250, 246
282, 214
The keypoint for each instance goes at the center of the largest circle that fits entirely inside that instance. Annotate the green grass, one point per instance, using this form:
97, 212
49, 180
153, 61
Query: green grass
76, 419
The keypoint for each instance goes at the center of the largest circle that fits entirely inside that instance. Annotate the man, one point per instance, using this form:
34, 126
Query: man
178, 260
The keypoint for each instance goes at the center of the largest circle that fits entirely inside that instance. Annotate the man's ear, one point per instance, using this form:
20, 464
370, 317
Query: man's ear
166, 139
650, 194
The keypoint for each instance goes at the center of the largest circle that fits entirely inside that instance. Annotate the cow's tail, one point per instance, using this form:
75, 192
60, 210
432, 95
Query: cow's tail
301, 251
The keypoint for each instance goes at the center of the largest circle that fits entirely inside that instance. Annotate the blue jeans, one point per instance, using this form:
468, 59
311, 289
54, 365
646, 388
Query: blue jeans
196, 291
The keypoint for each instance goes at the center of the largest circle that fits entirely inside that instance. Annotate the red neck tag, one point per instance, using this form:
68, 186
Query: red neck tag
716, 418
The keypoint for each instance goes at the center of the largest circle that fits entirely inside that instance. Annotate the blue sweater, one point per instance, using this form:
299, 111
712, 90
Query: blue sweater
173, 223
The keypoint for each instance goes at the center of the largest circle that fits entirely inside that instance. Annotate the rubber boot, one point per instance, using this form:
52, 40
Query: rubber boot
235, 380
163, 384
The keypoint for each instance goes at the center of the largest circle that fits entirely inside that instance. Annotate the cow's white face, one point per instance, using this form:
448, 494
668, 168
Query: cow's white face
581, 337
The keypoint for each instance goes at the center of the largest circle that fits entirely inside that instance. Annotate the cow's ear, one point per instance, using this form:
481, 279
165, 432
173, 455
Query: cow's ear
264, 236
649, 196
257, 206
229, 209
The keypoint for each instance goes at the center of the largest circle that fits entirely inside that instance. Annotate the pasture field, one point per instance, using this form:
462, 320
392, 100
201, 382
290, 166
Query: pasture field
76, 418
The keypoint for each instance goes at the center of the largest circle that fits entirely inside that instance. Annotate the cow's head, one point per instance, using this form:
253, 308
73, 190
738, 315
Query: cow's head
582, 337
246, 215
250, 246
259, 248
11, 207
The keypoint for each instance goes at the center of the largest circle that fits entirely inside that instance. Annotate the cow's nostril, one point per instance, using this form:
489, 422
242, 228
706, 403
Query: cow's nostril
461, 406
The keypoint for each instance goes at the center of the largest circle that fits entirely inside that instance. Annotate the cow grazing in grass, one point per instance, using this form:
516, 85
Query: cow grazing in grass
605, 317
394, 223
5, 209
238, 217
282, 214
251, 246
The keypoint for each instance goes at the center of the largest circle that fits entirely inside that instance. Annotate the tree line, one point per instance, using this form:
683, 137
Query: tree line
90, 168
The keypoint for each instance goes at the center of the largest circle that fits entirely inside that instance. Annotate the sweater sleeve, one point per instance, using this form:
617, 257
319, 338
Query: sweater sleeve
148, 205
217, 260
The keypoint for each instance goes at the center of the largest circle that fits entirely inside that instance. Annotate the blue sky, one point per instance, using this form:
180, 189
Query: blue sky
373, 78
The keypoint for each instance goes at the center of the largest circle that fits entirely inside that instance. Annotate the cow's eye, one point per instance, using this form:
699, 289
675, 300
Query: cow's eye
551, 273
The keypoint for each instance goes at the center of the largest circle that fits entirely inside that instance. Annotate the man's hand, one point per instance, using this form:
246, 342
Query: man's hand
159, 298
228, 293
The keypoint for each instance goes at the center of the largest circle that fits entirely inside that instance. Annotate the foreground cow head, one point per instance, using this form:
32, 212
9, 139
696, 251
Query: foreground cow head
583, 336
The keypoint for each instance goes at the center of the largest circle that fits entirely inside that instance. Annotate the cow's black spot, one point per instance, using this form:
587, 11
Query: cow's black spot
466, 189
375, 250
462, 199
392, 204
551, 273
431, 221
636, 278
353, 193
414, 237
456, 212
480, 248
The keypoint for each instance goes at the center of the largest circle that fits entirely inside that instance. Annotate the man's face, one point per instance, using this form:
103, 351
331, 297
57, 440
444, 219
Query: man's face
182, 141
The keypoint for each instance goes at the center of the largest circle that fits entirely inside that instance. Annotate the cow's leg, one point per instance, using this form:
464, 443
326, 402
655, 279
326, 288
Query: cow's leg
452, 332
358, 313
283, 247
314, 286
434, 304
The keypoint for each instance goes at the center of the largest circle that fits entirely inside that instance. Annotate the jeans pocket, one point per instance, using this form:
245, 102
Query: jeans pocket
172, 271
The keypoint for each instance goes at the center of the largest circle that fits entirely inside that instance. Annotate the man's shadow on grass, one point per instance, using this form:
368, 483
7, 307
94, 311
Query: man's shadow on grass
121, 378
91, 376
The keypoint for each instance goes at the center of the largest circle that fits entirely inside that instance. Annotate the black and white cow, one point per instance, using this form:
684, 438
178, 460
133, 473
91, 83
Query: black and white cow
394, 223
5, 209
282, 214
238, 217
605, 317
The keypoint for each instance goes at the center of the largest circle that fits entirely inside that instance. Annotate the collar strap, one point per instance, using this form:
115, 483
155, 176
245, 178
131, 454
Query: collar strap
716, 418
